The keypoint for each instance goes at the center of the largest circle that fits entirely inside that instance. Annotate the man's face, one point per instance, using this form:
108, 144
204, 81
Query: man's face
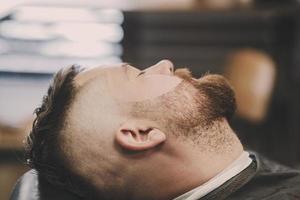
107, 98
110, 100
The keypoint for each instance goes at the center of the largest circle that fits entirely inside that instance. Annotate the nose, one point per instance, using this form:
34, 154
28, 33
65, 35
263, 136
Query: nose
163, 67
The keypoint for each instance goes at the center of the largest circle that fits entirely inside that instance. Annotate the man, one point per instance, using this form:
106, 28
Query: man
121, 133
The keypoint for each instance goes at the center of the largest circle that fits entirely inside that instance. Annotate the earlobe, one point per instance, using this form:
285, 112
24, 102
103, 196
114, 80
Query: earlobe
135, 139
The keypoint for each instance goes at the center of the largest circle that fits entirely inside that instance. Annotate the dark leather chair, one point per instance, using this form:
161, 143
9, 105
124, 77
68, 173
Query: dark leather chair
30, 187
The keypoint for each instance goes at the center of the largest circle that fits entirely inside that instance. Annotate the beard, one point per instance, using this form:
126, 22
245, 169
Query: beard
193, 104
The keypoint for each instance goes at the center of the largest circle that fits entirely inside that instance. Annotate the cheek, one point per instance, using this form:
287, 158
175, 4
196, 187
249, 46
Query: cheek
145, 88
180, 107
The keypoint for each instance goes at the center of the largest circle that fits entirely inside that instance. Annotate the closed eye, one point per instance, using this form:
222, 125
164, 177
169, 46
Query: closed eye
141, 73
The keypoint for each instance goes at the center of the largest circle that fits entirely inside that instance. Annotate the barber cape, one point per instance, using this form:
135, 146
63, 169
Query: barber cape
262, 179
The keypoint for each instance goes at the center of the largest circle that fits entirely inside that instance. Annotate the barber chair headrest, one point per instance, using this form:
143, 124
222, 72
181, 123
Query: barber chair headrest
29, 187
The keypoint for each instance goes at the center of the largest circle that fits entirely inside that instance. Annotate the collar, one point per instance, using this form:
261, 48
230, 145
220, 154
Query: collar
241, 163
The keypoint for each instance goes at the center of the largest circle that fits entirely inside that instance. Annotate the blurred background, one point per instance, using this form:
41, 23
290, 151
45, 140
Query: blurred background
254, 43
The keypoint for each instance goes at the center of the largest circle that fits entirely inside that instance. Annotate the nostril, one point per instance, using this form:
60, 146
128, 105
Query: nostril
163, 67
168, 65
167, 69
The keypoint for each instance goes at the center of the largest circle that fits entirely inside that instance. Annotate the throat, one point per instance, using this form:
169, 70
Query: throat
184, 169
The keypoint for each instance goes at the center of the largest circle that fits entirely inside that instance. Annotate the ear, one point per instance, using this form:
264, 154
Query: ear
136, 136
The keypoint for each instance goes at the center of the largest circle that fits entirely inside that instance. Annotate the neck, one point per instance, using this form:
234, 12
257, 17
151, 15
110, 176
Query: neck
182, 167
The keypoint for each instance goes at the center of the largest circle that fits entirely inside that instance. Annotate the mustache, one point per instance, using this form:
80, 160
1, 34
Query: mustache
186, 75
183, 73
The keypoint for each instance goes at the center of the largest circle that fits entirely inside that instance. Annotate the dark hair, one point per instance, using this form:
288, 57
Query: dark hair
42, 148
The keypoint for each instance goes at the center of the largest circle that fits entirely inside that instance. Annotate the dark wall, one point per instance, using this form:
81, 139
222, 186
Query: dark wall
201, 40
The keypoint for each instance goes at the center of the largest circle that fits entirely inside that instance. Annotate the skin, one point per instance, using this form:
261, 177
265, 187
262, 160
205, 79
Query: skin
127, 154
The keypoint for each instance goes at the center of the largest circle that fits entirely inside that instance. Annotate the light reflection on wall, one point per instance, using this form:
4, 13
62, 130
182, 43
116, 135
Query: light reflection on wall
43, 39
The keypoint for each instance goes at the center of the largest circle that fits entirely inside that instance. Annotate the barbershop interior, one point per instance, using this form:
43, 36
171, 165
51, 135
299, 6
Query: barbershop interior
255, 44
